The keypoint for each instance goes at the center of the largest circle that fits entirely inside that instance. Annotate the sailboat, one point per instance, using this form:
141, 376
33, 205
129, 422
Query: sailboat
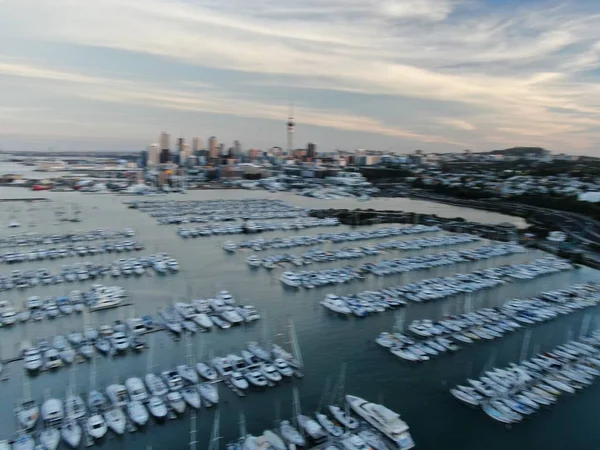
71, 433
23, 441
50, 438
28, 411
95, 424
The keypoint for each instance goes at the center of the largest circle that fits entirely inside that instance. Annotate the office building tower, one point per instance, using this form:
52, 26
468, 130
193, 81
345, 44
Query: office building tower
237, 149
197, 144
222, 151
143, 163
153, 154
311, 150
180, 142
164, 141
290, 134
213, 151
165, 156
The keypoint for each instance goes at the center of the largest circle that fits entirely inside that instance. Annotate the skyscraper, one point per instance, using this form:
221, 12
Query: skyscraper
153, 154
180, 143
197, 144
311, 150
237, 149
290, 133
213, 150
165, 140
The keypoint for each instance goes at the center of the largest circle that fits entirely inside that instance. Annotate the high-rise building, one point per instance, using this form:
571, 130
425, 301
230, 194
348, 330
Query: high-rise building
164, 140
222, 151
213, 151
290, 133
165, 156
143, 163
180, 143
237, 149
153, 154
311, 150
197, 144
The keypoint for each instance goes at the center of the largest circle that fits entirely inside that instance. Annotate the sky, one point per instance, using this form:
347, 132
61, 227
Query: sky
392, 75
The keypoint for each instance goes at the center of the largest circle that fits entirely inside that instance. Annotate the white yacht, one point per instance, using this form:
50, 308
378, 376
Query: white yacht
185, 310
32, 359
71, 433
222, 365
291, 434
203, 320
156, 385
52, 411
191, 396
209, 393
176, 402
137, 412
50, 438
187, 373
74, 407
115, 420
117, 394
206, 371
96, 426
384, 420
27, 414
290, 279
336, 304
172, 379
136, 389
157, 407
106, 302
253, 261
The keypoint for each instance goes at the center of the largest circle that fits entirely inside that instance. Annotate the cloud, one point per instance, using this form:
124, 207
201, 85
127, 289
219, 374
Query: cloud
517, 72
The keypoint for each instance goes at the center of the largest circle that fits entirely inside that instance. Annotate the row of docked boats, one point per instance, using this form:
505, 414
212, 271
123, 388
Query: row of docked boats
229, 216
38, 239
336, 428
399, 265
221, 210
36, 308
510, 394
113, 408
307, 241
430, 339
222, 312
71, 250
160, 263
256, 227
438, 288
321, 256
63, 350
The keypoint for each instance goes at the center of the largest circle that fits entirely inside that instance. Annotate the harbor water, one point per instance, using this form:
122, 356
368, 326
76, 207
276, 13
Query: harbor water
327, 342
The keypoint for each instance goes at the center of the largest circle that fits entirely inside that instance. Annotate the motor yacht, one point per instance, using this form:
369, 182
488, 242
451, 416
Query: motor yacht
345, 419
312, 428
52, 359
172, 379
238, 380
329, 425
383, 419
96, 426
256, 378
291, 434
32, 359
157, 407
290, 279
283, 367
96, 401
52, 411
176, 402
137, 412
222, 366
206, 371
270, 372
136, 389
254, 261
117, 395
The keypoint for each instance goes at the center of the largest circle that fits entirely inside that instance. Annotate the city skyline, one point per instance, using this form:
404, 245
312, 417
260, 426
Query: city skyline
390, 75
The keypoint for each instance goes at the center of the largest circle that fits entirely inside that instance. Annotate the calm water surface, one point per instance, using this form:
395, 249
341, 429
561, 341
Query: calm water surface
418, 392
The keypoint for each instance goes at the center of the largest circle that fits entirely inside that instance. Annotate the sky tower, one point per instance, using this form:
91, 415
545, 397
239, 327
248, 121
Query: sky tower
290, 132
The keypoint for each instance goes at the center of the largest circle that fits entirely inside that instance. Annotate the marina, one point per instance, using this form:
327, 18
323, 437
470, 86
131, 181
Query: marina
509, 395
326, 341
429, 339
305, 241
323, 256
